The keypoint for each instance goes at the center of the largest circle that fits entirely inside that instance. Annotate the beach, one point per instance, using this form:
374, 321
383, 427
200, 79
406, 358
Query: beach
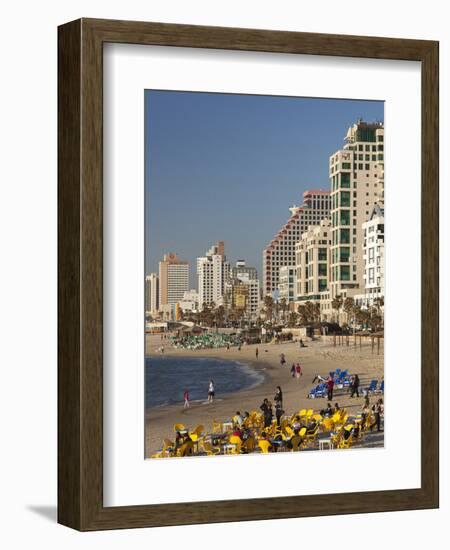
319, 357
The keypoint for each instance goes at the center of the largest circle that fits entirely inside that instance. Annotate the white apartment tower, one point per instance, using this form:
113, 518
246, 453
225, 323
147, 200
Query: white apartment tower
151, 293
373, 256
287, 283
281, 249
213, 271
357, 183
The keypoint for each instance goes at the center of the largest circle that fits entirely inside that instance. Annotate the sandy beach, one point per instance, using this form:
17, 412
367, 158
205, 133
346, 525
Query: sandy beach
319, 357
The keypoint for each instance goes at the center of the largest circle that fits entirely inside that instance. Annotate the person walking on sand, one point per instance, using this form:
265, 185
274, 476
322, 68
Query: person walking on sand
330, 386
282, 359
298, 371
186, 399
256, 353
355, 386
293, 370
211, 391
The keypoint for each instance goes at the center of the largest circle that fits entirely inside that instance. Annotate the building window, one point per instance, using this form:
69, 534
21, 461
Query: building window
344, 254
322, 285
344, 236
345, 180
345, 272
345, 198
344, 217
322, 254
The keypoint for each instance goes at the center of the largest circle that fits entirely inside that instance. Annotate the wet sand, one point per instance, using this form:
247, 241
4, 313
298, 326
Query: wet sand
320, 357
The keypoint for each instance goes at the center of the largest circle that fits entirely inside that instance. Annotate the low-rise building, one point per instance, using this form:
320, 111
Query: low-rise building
190, 301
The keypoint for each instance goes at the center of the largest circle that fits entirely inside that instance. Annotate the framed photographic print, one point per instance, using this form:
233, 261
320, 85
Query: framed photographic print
248, 274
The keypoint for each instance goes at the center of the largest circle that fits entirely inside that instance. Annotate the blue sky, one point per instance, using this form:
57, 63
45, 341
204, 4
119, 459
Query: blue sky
228, 167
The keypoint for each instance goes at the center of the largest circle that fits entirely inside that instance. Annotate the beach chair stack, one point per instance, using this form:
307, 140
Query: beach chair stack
318, 391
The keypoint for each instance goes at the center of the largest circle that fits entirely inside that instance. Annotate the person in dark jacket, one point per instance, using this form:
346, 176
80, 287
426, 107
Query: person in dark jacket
266, 408
354, 387
278, 398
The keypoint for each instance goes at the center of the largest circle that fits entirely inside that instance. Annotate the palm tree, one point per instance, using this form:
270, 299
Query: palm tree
292, 319
219, 315
305, 312
268, 305
336, 304
316, 312
349, 304
284, 307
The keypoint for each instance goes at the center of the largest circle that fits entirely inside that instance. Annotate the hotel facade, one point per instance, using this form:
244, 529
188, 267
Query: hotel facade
213, 271
173, 279
312, 266
281, 249
151, 294
357, 184
373, 257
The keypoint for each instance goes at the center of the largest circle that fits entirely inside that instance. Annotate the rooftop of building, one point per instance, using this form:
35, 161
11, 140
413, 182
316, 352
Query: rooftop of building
310, 192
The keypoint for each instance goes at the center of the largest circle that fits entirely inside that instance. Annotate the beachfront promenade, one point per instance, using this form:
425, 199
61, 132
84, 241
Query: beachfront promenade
320, 357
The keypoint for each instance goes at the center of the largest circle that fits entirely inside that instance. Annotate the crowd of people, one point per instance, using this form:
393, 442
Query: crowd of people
210, 340
270, 429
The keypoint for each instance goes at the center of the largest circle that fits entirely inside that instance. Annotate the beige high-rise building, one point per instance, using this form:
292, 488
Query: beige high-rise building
281, 249
312, 263
151, 293
173, 279
357, 183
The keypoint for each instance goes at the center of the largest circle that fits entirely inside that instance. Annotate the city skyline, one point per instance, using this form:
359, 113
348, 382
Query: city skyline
241, 162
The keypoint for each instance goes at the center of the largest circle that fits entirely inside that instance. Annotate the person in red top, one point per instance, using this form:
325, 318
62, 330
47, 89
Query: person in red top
330, 386
186, 399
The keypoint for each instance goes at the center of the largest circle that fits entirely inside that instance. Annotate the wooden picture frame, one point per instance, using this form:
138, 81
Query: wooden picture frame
80, 272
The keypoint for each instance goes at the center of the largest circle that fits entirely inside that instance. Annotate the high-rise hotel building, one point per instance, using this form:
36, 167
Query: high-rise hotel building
173, 279
213, 271
357, 183
151, 293
312, 266
281, 249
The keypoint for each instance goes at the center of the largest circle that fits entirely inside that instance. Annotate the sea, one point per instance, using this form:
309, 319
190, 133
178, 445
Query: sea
166, 378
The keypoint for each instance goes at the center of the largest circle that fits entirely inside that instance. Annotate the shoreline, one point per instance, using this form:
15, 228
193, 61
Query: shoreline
319, 357
252, 365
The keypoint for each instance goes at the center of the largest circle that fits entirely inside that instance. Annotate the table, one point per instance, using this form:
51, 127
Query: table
228, 448
325, 441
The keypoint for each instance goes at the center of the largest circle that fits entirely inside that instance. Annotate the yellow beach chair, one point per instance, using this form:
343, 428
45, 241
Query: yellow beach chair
264, 445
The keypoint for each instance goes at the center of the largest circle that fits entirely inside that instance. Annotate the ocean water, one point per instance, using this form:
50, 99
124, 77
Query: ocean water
166, 378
